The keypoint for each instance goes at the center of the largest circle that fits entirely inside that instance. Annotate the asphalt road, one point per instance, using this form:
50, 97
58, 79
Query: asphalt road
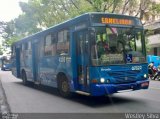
25, 99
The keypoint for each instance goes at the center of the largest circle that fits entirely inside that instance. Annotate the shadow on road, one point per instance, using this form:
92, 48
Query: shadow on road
86, 100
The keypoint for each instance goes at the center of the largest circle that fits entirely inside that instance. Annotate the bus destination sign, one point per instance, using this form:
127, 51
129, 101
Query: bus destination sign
106, 20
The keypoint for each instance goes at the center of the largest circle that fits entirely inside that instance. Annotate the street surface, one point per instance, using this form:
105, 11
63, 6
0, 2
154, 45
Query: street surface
26, 99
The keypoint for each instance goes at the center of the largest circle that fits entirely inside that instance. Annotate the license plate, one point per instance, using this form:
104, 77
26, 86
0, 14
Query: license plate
144, 84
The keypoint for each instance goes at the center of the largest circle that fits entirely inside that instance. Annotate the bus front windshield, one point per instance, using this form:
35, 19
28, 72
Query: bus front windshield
117, 46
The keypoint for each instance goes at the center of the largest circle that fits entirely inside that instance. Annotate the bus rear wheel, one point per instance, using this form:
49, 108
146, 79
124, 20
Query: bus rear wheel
63, 86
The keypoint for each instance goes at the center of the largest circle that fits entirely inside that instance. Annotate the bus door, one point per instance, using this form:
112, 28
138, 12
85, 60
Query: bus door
35, 60
18, 61
82, 47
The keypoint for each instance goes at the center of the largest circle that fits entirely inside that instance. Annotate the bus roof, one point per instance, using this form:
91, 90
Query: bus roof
92, 17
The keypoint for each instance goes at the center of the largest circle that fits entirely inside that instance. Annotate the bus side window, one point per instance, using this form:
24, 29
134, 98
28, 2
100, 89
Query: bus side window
23, 47
13, 51
23, 53
54, 41
26, 46
63, 42
48, 45
29, 45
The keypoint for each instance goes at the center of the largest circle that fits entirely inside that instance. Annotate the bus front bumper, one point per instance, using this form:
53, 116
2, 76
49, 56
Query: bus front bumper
107, 89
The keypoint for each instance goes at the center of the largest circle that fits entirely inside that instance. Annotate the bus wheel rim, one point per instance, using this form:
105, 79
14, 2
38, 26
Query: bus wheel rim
64, 86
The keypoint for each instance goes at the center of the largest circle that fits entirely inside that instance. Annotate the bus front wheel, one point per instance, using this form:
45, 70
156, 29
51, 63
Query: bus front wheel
63, 86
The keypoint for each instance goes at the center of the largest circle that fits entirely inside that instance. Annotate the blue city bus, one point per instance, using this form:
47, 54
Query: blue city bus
94, 54
5, 62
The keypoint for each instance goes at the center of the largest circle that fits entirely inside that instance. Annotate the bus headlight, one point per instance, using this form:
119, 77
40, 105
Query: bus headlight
102, 80
145, 75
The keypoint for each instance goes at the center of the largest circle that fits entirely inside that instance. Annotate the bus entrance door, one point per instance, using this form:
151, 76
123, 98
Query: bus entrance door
35, 59
82, 59
18, 61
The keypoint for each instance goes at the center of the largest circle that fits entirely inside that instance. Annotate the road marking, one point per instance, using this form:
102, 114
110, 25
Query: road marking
154, 88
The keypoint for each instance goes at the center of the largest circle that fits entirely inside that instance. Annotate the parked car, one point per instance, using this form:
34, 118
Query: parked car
6, 67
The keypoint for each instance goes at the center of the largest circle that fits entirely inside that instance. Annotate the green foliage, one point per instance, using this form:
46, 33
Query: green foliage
1, 50
8, 42
46, 13
150, 32
8, 30
156, 8
106, 5
26, 25
41, 14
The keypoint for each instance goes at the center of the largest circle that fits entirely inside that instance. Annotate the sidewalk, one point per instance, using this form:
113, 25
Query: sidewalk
4, 107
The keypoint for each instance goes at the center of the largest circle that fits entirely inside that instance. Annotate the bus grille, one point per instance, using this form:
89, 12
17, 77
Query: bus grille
124, 76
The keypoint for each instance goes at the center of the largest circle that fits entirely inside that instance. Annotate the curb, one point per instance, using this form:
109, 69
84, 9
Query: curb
4, 106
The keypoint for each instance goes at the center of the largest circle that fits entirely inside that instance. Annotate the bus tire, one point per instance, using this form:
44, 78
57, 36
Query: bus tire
63, 86
24, 78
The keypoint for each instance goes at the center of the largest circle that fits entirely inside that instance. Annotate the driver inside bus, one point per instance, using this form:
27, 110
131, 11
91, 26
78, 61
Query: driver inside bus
103, 46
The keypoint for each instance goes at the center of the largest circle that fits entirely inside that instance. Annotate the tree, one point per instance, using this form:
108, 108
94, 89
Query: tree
1, 50
105, 5
47, 13
41, 14
2, 28
26, 25
9, 33
139, 8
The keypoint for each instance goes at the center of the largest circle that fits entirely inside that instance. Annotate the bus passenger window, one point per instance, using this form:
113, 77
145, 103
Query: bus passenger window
48, 45
63, 42
13, 51
29, 45
60, 37
54, 41
23, 47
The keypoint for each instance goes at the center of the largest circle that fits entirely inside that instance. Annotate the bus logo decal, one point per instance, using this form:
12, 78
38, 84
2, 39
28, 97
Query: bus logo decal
108, 69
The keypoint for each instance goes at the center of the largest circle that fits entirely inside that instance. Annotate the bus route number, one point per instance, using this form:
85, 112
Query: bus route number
136, 67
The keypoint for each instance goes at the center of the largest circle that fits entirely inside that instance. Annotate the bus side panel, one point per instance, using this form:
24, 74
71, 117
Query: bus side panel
47, 70
65, 66
50, 66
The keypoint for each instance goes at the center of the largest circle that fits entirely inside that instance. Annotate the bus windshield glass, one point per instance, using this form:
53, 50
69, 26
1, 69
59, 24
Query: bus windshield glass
114, 45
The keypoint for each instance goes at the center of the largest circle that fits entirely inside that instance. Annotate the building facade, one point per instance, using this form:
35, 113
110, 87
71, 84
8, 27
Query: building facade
153, 37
